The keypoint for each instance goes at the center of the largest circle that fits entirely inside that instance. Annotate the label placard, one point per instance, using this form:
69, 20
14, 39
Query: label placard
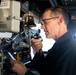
5, 4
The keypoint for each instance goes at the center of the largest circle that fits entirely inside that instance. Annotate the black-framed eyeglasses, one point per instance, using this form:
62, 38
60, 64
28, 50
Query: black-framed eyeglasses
44, 21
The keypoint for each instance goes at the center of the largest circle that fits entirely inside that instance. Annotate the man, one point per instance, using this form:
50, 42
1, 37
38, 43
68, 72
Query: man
61, 58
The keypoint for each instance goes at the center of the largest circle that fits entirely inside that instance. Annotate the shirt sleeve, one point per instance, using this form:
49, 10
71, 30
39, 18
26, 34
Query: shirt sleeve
32, 72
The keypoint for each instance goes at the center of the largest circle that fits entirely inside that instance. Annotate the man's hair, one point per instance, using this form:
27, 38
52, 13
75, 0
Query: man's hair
58, 10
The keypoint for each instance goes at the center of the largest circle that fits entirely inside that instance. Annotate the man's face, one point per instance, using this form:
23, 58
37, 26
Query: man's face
50, 25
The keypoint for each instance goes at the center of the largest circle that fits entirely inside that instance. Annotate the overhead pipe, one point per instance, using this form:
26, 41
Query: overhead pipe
53, 3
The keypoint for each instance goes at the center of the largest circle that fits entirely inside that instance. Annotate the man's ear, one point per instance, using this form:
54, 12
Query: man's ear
60, 20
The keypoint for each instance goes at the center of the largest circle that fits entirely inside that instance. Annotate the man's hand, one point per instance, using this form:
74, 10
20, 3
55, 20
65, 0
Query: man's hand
36, 44
18, 67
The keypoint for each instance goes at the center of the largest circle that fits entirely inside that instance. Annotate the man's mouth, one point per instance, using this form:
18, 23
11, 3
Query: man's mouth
46, 32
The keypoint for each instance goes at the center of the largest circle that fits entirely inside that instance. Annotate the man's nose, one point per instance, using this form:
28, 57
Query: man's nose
43, 26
